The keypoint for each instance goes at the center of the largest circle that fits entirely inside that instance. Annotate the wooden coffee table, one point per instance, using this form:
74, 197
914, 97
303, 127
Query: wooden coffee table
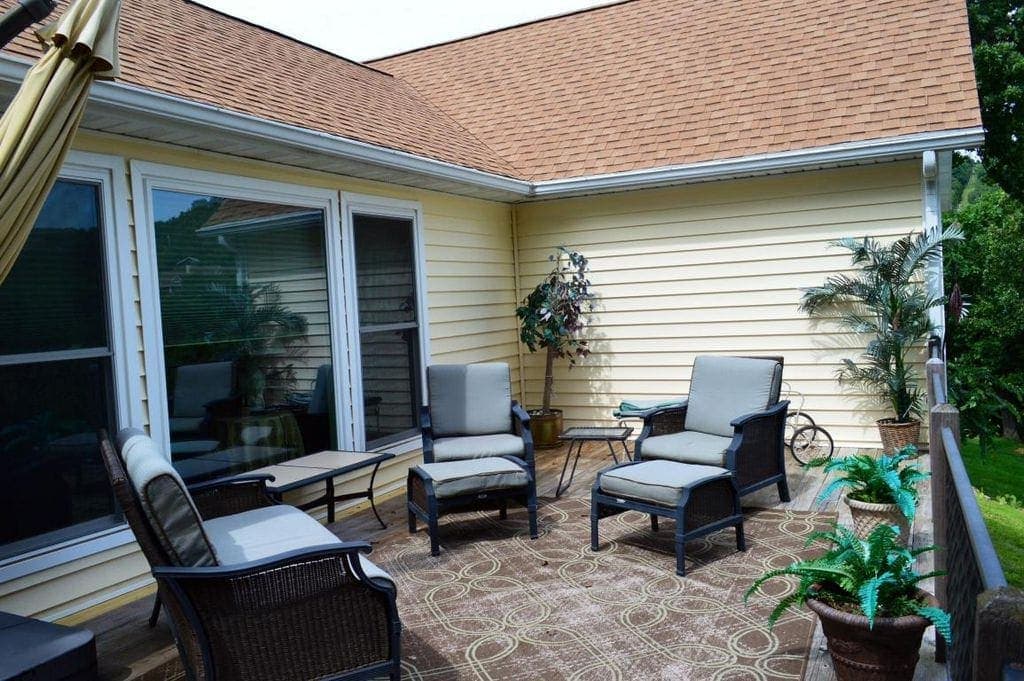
577, 435
324, 467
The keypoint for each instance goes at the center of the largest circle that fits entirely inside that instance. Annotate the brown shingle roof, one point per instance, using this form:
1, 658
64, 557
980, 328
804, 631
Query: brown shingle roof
180, 48
635, 85
650, 83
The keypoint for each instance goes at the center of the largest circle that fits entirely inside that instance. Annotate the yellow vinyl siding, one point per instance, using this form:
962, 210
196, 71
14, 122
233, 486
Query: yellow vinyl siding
468, 236
715, 268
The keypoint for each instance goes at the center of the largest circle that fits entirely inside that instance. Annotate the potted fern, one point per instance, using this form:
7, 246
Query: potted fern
866, 593
888, 300
880, 490
553, 317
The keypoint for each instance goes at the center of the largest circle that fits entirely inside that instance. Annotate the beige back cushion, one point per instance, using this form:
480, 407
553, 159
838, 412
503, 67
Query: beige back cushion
470, 399
724, 388
166, 502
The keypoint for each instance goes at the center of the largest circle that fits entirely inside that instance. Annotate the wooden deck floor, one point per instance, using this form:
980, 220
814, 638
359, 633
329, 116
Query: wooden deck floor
127, 648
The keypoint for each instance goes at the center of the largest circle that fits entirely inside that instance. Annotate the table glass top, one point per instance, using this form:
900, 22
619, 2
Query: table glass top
595, 433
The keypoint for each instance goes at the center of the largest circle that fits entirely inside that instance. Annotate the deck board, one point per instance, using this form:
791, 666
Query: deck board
128, 648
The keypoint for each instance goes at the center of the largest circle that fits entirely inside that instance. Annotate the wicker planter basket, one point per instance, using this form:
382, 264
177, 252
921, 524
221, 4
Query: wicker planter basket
896, 436
889, 652
868, 516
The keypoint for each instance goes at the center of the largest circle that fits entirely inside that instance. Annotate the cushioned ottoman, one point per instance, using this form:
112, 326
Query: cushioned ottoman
435, 489
701, 499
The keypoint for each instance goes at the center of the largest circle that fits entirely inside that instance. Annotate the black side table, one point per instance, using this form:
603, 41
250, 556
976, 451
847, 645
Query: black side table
577, 435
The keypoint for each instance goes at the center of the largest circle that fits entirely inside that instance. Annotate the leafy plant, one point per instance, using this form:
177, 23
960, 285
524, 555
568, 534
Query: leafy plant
873, 576
886, 299
885, 479
554, 315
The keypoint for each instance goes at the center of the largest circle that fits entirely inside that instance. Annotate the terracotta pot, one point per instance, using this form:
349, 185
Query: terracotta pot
546, 428
868, 516
898, 435
888, 652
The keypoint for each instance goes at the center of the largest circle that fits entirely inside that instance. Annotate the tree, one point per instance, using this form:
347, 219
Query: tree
986, 345
997, 35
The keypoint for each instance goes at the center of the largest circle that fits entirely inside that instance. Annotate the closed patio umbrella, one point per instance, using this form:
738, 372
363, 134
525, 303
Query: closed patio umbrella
37, 128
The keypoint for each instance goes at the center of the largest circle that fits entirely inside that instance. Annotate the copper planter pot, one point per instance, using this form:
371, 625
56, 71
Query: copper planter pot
545, 428
889, 652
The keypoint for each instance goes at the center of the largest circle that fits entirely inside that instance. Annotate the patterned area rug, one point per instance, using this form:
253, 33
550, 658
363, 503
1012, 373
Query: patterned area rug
495, 605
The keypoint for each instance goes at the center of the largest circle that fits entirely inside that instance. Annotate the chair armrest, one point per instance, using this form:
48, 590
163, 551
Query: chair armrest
757, 451
227, 496
427, 433
245, 619
521, 427
660, 422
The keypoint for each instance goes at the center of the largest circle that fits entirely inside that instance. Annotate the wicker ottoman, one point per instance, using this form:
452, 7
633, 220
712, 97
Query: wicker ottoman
435, 489
701, 499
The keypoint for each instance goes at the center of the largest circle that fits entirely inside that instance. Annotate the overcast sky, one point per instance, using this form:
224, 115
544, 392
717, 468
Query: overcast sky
365, 29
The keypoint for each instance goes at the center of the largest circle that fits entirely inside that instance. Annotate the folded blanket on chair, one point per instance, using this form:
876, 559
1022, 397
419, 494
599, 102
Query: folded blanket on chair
636, 407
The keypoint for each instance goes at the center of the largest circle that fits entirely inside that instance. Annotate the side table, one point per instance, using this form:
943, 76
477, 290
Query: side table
577, 435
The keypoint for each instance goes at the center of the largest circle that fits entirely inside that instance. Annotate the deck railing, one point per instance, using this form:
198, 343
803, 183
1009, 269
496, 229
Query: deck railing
988, 615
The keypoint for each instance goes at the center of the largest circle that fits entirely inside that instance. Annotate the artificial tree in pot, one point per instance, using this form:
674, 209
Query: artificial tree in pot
886, 298
553, 317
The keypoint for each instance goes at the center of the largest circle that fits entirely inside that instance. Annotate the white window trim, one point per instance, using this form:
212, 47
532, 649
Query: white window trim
108, 172
366, 204
148, 176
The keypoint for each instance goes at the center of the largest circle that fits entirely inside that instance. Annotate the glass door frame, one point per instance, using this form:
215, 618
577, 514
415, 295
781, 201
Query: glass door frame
378, 206
146, 177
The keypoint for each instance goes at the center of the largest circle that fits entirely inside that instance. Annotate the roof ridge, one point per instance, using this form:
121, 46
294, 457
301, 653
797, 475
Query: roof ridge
553, 17
290, 38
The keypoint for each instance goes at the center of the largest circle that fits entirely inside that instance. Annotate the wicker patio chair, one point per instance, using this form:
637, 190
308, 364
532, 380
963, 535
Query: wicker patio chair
477, 447
733, 418
255, 590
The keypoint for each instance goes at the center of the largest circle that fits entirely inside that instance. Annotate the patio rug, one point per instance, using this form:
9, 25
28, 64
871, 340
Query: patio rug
496, 605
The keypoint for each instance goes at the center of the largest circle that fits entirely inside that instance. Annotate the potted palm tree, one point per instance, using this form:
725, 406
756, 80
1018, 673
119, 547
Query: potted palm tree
879, 490
553, 317
887, 299
865, 591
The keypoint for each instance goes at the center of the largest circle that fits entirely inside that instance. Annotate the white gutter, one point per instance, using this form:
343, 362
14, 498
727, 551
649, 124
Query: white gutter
761, 164
171, 108
156, 104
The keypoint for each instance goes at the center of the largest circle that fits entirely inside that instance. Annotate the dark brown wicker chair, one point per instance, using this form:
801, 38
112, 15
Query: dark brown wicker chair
311, 613
747, 439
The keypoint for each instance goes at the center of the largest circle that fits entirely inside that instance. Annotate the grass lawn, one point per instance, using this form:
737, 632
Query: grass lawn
999, 477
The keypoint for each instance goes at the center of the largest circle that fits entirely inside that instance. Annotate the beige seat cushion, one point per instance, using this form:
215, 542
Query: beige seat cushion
456, 478
657, 482
478, 447
470, 399
270, 531
724, 388
688, 446
165, 501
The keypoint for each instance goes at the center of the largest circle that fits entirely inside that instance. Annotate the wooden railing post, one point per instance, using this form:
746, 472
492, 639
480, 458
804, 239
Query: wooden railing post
940, 414
999, 633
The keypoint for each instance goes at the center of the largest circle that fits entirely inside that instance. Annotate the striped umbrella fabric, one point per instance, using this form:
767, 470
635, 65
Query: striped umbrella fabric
37, 128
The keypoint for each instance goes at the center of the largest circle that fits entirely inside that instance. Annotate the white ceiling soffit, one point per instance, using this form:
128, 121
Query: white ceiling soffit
144, 114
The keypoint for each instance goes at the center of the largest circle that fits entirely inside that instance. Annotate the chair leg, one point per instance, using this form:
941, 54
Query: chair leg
654, 523
593, 527
435, 547
155, 615
412, 520
741, 542
680, 552
503, 511
783, 490
531, 510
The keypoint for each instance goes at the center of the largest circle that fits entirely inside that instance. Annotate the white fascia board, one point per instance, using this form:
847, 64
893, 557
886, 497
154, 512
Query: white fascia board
763, 164
147, 102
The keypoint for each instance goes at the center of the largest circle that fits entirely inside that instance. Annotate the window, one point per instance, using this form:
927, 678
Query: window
389, 326
57, 376
245, 313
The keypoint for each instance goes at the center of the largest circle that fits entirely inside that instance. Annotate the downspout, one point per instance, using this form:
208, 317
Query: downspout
931, 175
515, 273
